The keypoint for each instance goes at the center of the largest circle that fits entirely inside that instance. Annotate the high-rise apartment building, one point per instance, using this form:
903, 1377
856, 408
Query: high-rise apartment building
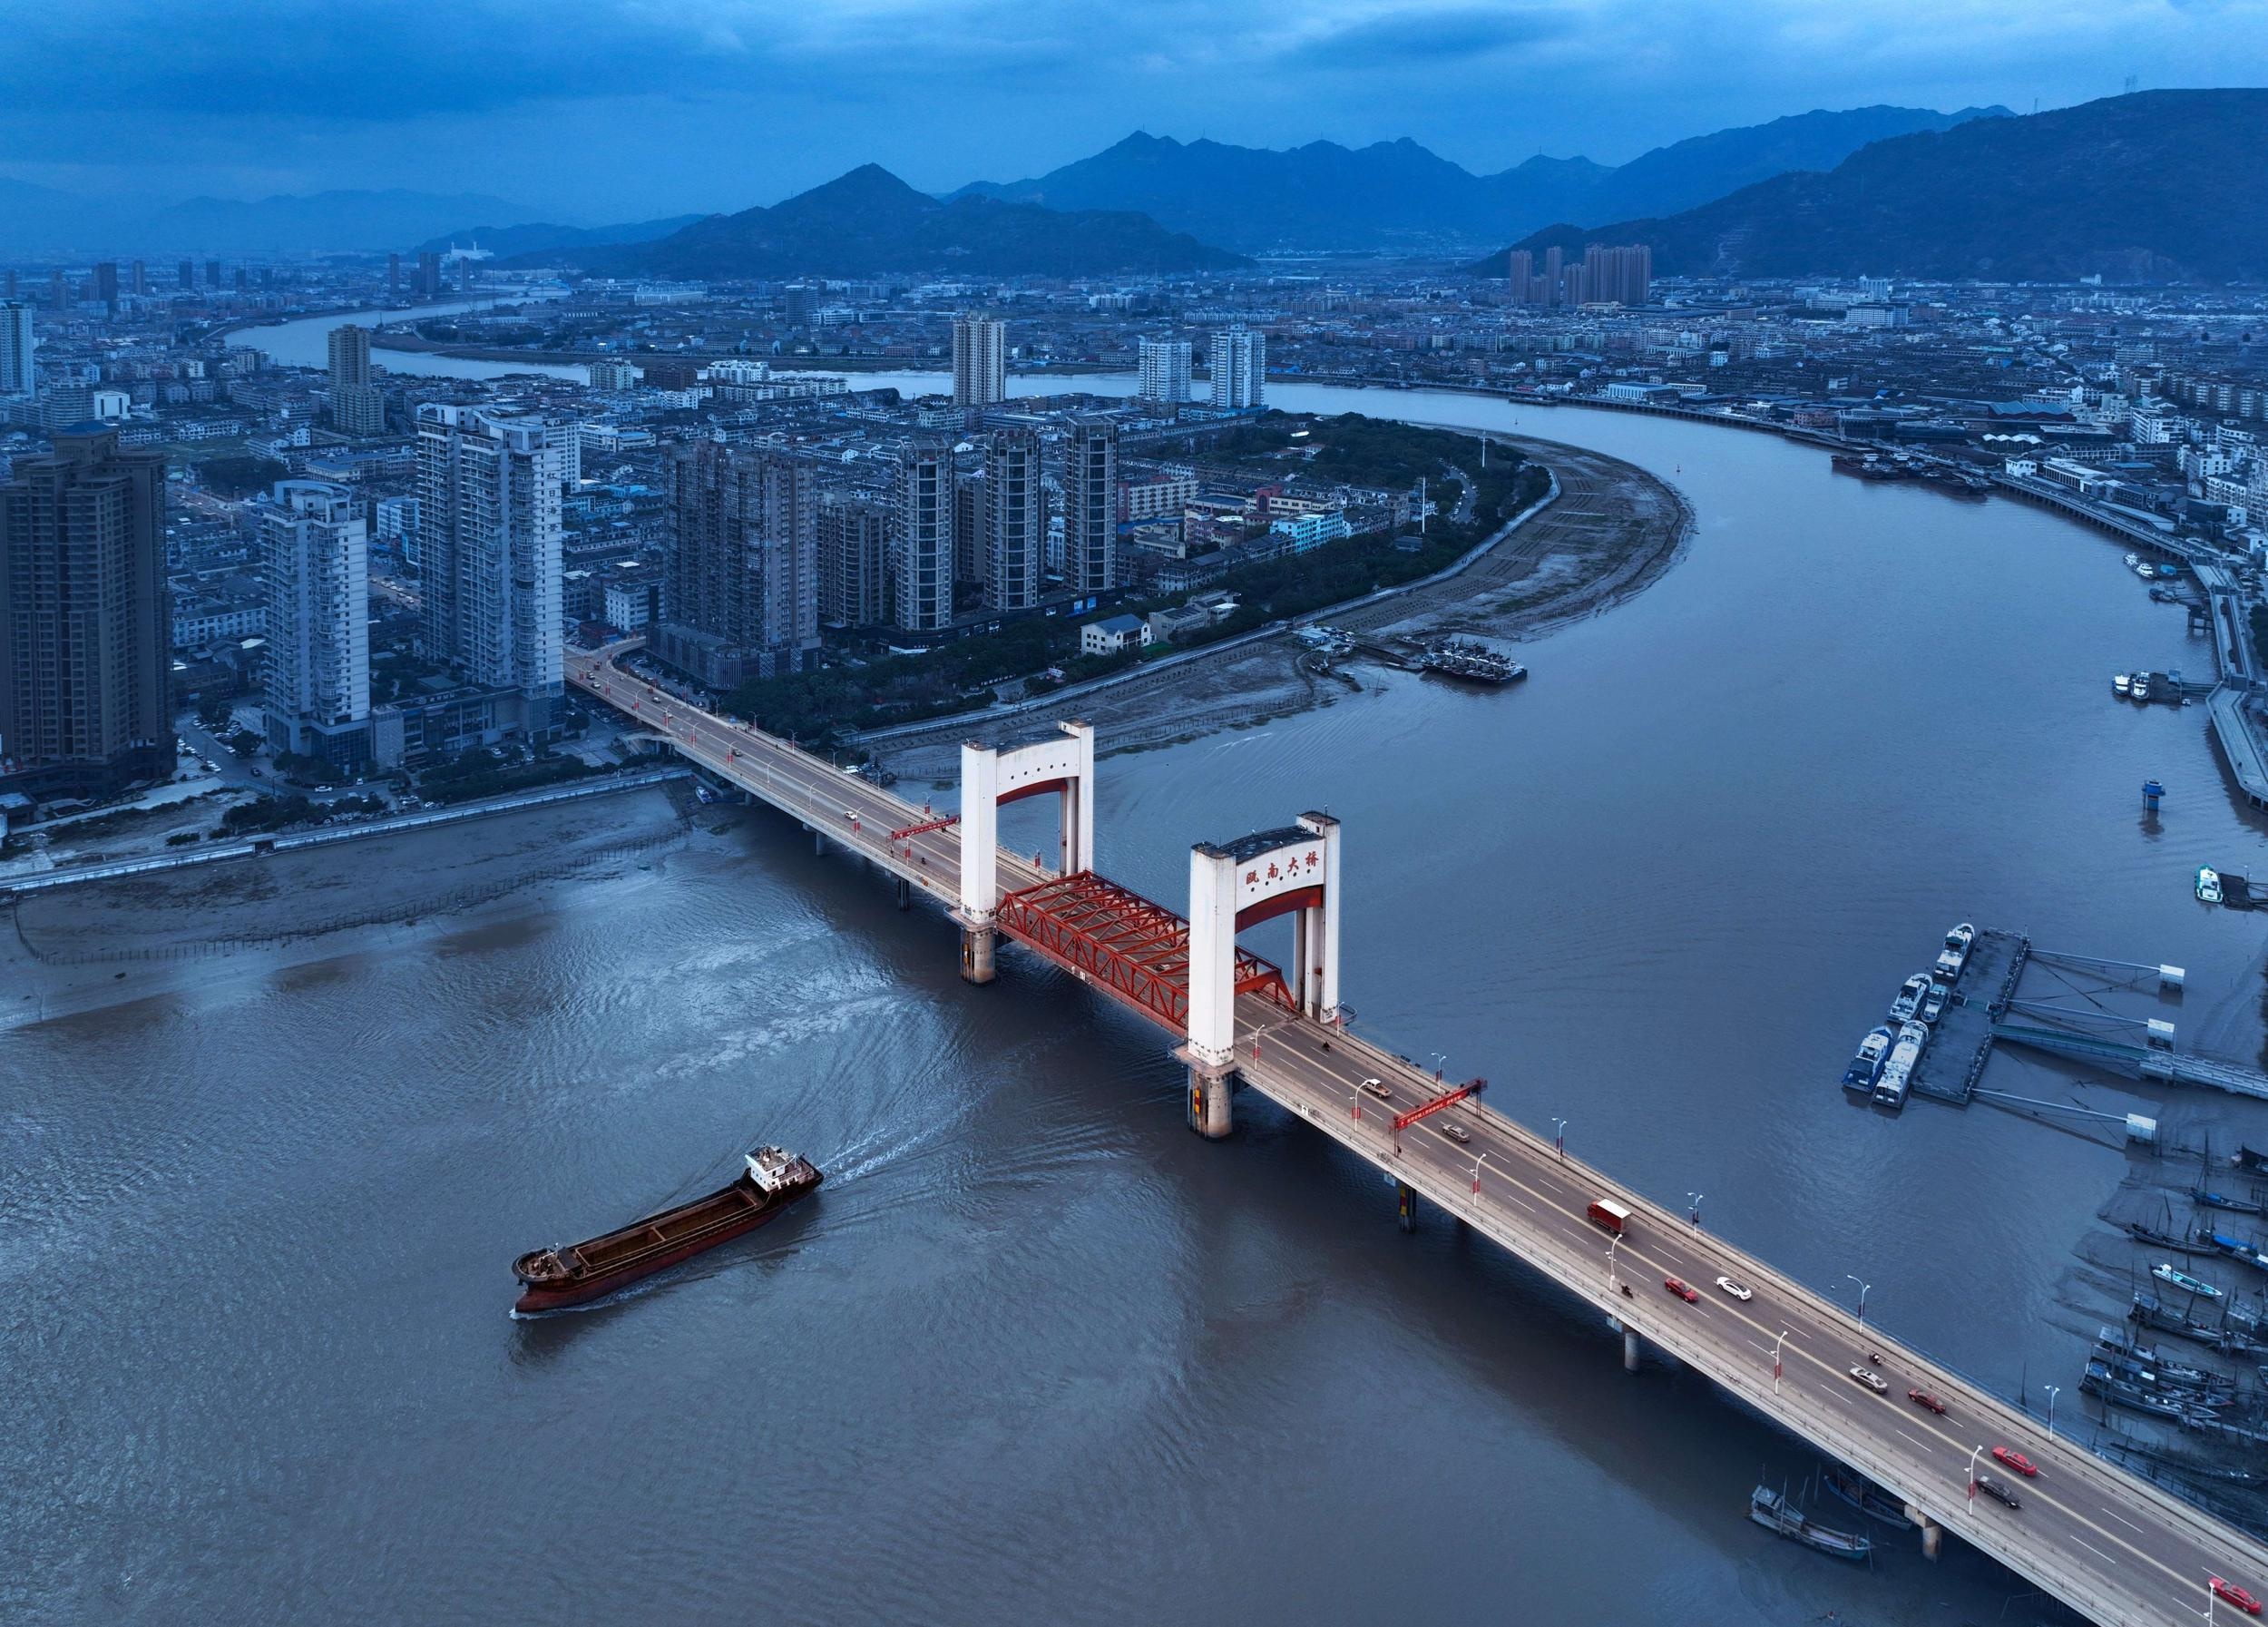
969, 498
212, 273
142, 278
356, 406
185, 275
428, 274
106, 286
393, 276
1015, 520
19, 377
921, 537
1622, 274
853, 560
1239, 362
979, 361
1164, 370
1090, 504
490, 532
86, 704
740, 571
315, 555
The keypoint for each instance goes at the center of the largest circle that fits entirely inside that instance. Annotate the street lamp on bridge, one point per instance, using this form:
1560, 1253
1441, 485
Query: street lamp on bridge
1693, 1212
1559, 1138
1611, 1247
1776, 1343
2051, 1409
1972, 1474
1863, 1288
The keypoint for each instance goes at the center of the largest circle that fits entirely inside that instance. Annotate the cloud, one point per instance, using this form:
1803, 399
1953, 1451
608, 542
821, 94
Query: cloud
1466, 33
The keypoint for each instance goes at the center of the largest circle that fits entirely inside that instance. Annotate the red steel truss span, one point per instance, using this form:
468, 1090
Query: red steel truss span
1121, 942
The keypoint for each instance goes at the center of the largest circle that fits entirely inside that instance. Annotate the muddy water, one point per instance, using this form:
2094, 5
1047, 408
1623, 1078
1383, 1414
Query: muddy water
1035, 1350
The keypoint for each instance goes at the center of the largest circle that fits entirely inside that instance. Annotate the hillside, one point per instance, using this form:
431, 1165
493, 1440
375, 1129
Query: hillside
2163, 185
869, 221
1398, 194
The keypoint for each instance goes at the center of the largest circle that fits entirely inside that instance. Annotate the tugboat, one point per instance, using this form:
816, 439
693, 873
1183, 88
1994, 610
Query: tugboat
1773, 1512
577, 1273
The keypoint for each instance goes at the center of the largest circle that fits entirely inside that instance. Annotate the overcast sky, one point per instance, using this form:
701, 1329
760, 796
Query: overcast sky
602, 109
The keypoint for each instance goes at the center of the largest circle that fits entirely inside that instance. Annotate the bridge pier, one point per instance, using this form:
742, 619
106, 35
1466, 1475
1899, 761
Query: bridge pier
1630, 1349
906, 894
1407, 1205
1932, 1533
1212, 1111
976, 952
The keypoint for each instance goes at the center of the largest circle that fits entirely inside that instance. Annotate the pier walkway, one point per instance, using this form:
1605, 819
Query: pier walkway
2112, 1546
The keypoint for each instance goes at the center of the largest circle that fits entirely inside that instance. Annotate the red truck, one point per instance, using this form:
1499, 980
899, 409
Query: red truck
1608, 1215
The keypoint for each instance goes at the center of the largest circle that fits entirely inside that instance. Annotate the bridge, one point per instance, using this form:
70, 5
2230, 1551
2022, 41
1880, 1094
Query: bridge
2110, 1545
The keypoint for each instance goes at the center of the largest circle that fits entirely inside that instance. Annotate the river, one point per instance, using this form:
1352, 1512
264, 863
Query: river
1037, 1351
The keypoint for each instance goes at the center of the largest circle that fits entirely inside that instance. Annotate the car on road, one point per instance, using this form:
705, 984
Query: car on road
1736, 1289
2235, 1595
1677, 1285
1995, 1491
2016, 1460
1870, 1378
1455, 1132
1923, 1399
1377, 1087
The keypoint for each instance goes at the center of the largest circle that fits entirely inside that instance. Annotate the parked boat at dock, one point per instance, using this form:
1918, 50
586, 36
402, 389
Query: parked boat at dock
1470, 663
1867, 1068
1890, 1090
2151, 1235
577, 1273
1775, 1513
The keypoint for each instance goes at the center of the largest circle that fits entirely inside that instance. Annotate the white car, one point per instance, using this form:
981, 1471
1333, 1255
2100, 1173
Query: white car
1736, 1289
1377, 1087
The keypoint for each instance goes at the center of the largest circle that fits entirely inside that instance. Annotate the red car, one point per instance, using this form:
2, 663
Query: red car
2236, 1596
1681, 1290
1923, 1399
2017, 1461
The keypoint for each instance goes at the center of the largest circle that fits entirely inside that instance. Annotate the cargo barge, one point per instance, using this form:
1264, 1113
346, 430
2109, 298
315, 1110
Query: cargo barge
577, 1273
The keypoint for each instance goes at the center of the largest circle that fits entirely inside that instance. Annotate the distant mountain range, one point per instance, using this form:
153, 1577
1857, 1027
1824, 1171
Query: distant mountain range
1397, 194
2163, 184
41, 220
869, 221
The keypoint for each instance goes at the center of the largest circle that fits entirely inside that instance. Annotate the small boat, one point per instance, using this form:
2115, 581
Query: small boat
2132, 559
1955, 955
1864, 1495
2209, 892
2183, 1280
2236, 1206
2166, 1239
1867, 1065
2166, 573
2243, 1253
1775, 1513
577, 1273
2149, 573
2247, 1158
2139, 689
1890, 1090
2121, 683
1910, 993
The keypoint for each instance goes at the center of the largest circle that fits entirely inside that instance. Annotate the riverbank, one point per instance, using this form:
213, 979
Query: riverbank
104, 942
1612, 531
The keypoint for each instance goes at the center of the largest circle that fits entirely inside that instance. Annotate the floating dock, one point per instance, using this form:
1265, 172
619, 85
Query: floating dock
1960, 1041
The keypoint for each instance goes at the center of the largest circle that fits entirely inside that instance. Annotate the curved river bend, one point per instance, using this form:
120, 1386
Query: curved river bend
1038, 1351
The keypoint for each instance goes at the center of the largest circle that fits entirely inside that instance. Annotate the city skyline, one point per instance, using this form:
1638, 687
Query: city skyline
591, 117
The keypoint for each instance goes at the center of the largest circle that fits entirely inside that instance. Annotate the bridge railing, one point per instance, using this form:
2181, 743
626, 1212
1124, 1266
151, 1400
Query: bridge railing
2242, 1551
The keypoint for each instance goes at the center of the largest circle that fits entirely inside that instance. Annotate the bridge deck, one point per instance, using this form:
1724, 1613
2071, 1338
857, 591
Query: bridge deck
2111, 1546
